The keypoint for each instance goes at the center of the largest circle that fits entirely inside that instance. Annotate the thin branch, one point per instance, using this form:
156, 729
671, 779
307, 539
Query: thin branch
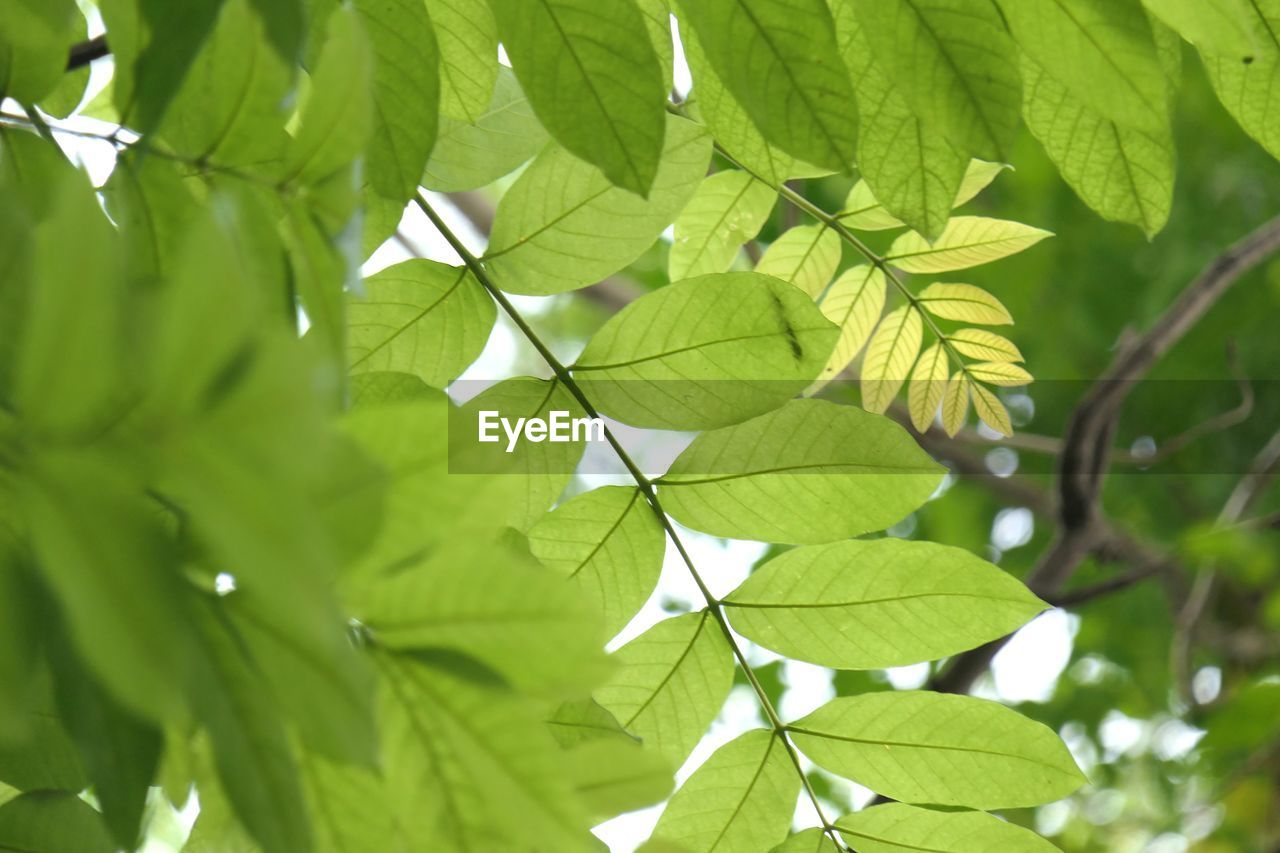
1085, 456
645, 485
84, 52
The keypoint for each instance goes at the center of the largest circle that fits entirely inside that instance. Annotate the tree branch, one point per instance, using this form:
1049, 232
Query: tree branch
1085, 456
82, 53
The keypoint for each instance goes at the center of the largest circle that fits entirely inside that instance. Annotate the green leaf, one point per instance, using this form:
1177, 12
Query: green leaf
806, 256
894, 828
484, 601
610, 544
591, 73
154, 66
406, 94
967, 241
38, 753
853, 302
335, 121
34, 38
543, 468
120, 751
1222, 27
350, 807
419, 317
727, 210
1125, 174
812, 840
562, 225
581, 720
503, 136
1101, 50
52, 822
467, 37
879, 603
1245, 88
466, 765
735, 345
251, 748
616, 775
739, 801
657, 21
670, 683
965, 303
863, 212
954, 63
920, 747
955, 402
108, 563
912, 169
63, 100
810, 472
778, 58
890, 356
233, 104
711, 103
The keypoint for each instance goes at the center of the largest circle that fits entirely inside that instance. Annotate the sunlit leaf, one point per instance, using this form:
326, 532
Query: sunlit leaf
928, 384
562, 225
779, 60
809, 472
806, 256
467, 37
890, 356
853, 302
669, 683
736, 345
594, 80
418, 317
873, 604
920, 747
967, 241
739, 801
726, 211
609, 543
965, 303
988, 346
895, 827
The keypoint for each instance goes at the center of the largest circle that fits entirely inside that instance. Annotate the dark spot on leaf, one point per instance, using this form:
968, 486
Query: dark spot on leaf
797, 352
1248, 60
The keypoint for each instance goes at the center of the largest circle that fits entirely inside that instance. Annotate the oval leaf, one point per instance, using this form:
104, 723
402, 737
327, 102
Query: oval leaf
733, 345
967, 241
809, 472
895, 828
889, 358
726, 211
879, 603
921, 747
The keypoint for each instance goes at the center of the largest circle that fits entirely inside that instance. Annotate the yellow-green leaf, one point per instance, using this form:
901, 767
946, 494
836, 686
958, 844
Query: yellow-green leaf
806, 256
991, 410
726, 211
967, 241
853, 302
863, 211
899, 828
1000, 373
889, 357
964, 302
955, 403
988, 346
928, 384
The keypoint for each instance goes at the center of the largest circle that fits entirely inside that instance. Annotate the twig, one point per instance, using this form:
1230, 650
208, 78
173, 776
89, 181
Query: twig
1085, 456
84, 52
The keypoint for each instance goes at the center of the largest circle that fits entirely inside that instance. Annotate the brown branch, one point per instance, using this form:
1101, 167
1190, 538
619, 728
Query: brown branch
82, 53
1085, 456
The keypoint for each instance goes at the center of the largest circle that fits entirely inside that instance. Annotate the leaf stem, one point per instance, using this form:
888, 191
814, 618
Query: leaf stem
645, 485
